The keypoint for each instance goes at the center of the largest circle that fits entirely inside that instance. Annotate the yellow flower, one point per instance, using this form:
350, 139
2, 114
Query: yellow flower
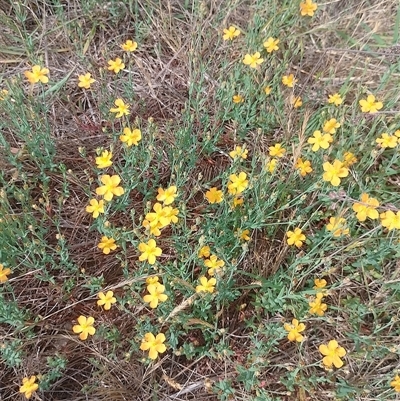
150, 251
131, 137
271, 165
319, 283
307, 8
110, 188
107, 245
338, 226
239, 152
4, 273
334, 172
244, 235
296, 237
214, 195
349, 159
369, 105
155, 295
230, 33
289, 80
206, 285
116, 65
320, 141
396, 133
333, 352
294, 330
155, 345
106, 299
367, 208
238, 99
96, 207
3, 94
85, 81
152, 280
159, 219
171, 214
85, 327
237, 184
395, 383
28, 386
214, 264
387, 141
277, 150
204, 252
253, 60
122, 109
267, 90
390, 220
330, 126
304, 167
168, 196
296, 101
335, 99
316, 306
104, 160
237, 201
271, 44
129, 46
37, 74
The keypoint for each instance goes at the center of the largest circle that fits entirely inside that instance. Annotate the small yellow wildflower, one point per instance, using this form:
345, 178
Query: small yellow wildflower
155, 295
206, 285
349, 159
237, 201
29, 386
296, 101
239, 151
110, 187
334, 172
214, 264
244, 235
84, 327
150, 251
304, 167
335, 99
238, 99
104, 160
387, 141
106, 300
4, 272
230, 33
129, 46
155, 345
214, 195
395, 383
333, 352
289, 80
37, 74
294, 329
370, 105
271, 44
390, 220
204, 252
367, 208
237, 183
122, 109
253, 60
107, 245
96, 207
337, 225
271, 165
296, 237
85, 80
330, 126
131, 137
319, 140
316, 306
267, 90
167, 196
277, 150
116, 65
396, 133
307, 8
3, 94
319, 283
